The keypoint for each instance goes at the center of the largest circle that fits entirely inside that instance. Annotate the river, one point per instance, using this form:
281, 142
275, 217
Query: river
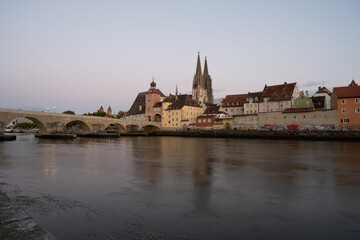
185, 188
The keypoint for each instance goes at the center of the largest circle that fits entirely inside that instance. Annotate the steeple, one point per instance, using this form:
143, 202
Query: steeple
206, 71
198, 66
202, 89
176, 92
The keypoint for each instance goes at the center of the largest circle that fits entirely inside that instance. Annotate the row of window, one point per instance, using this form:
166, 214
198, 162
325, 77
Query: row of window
204, 120
343, 101
251, 112
344, 110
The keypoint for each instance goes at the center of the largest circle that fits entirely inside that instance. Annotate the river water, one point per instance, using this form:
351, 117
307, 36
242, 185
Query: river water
185, 188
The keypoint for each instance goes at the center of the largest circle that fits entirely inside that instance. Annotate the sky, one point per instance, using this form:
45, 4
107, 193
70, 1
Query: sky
81, 54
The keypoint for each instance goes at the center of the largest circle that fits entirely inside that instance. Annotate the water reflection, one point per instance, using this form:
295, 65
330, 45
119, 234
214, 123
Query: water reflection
198, 187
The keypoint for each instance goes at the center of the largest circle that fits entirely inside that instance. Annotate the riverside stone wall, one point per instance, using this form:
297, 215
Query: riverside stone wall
304, 118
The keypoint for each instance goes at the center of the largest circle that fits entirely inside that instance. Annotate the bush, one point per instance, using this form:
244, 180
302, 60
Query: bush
69, 112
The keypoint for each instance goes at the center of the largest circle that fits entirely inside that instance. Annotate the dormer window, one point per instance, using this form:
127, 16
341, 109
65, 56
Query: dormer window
247, 99
286, 96
277, 96
256, 98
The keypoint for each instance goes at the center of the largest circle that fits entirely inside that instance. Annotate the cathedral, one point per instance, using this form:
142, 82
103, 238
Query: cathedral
202, 90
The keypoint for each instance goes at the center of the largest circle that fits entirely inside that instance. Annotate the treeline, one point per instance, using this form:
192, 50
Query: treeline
26, 125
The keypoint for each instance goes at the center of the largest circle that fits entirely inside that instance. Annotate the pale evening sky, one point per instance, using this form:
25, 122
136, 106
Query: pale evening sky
78, 55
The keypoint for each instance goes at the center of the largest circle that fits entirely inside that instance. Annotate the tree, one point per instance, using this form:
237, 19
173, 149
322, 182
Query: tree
71, 124
100, 113
26, 125
69, 112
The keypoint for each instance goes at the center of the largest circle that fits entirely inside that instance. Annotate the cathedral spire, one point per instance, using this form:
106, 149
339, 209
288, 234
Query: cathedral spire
206, 71
198, 66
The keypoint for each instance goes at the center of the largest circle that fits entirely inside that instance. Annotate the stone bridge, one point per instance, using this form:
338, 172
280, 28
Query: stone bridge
53, 123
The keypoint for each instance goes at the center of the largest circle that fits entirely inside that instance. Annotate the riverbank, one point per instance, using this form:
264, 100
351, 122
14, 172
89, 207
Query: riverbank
15, 223
321, 135
262, 134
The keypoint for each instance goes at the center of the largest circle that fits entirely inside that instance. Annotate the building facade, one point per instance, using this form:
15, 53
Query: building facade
322, 98
152, 98
202, 91
207, 120
251, 105
234, 104
346, 100
276, 98
181, 113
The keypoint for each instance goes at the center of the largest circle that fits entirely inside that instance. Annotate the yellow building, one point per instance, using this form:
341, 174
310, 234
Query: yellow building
223, 123
181, 112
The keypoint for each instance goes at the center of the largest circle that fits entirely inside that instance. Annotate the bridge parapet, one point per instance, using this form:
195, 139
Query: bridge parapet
51, 123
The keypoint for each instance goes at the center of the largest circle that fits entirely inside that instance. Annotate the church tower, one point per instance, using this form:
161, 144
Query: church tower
202, 84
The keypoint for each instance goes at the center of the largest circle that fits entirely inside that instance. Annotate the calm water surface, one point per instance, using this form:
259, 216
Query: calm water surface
186, 188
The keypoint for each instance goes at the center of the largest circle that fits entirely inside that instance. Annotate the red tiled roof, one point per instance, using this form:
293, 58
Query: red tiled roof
296, 110
280, 92
237, 100
109, 108
323, 90
353, 90
254, 95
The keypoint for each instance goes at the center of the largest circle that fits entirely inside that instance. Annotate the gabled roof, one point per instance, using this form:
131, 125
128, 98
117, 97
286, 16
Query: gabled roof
181, 101
353, 90
135, 107
109, 108
237, 100
156, 91
323, 90
254, 95
158, 104
170, 98
282, 92
212, 109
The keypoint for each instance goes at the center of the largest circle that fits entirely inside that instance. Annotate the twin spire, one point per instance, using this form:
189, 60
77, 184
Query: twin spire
202, 84
198, 67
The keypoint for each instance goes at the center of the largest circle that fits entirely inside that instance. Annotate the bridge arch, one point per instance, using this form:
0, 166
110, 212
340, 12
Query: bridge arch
120, 128
150, 128
83, 125
40, 124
